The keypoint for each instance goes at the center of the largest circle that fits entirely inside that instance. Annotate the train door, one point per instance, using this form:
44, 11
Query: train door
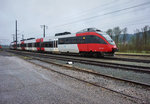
86, 39
85, 44
55, 42
41, 45
82, 43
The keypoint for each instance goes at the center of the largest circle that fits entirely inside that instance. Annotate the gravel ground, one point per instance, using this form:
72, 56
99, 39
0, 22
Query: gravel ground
24, 83
119, 73
112, 61
126, 88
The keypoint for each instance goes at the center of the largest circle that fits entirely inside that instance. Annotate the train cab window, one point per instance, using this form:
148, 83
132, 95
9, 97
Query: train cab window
108, 38
94, 39
99, 40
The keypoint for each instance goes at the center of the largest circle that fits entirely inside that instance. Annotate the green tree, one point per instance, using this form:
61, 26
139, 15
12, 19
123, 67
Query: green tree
137, 45
145, 36
110, 32
124, 39
117, 32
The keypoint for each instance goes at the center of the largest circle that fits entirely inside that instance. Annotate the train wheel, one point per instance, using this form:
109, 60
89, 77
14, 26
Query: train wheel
82, 54
95, 55
101, 55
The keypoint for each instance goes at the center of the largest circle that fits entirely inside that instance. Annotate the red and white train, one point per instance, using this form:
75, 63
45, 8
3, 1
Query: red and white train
90, 41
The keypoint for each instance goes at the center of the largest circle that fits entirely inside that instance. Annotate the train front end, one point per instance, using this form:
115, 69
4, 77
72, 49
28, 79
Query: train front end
111, 47
96, 43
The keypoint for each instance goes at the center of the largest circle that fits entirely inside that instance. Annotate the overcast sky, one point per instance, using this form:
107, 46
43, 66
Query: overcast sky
69, 15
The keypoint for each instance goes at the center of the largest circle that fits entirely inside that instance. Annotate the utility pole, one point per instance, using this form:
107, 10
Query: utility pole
16, 33
22, 36
44, 27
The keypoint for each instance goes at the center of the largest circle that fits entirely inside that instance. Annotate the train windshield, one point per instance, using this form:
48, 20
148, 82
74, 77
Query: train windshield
108, 38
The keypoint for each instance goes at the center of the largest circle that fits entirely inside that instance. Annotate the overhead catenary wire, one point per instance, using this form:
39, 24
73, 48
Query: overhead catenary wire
84, 12
106, 6
102, 8
116, 11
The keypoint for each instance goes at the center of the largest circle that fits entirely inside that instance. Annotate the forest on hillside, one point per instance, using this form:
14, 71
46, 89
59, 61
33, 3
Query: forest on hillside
137, 42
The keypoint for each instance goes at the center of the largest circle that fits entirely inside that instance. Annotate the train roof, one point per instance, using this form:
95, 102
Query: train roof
23, 39
63, 33
89, 30
30, 38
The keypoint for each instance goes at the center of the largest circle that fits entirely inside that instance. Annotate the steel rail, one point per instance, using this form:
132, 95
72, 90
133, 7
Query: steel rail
135, 68
105, 58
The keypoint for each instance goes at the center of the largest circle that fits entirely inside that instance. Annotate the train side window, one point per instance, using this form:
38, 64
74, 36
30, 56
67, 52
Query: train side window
81, 39
61, 41
45, 44
42, 44
38, 44
29, 44
49, 44
34, 44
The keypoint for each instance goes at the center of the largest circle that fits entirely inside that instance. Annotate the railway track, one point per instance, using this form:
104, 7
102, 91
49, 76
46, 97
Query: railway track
38, 56
127, 59
113, 58
45, 59
140, 55
143, 69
